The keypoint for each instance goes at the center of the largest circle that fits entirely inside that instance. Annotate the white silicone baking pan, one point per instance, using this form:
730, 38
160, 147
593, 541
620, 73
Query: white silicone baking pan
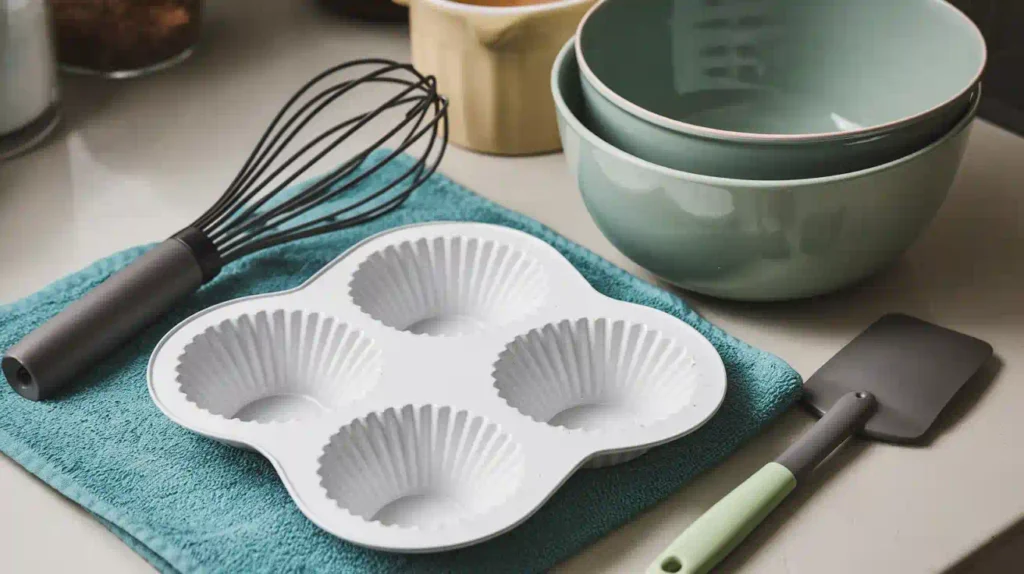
433, 386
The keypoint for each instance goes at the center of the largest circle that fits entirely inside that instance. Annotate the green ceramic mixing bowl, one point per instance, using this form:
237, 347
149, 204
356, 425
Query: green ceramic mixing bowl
776, 89
748, 239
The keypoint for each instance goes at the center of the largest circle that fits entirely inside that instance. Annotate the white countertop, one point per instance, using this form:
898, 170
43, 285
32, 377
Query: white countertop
137, 160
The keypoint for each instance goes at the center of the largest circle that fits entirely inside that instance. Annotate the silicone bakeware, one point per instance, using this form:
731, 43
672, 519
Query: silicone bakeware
434, 385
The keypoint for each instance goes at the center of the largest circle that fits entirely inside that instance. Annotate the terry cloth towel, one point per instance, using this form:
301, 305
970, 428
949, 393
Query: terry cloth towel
190, 504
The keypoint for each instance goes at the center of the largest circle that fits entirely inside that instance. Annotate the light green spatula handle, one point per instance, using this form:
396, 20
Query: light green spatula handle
712, 536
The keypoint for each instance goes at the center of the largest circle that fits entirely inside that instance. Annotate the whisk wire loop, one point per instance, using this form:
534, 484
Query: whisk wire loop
258, 209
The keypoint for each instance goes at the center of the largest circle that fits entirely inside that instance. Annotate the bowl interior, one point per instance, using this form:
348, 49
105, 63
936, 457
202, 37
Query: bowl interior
783, 66
573, 115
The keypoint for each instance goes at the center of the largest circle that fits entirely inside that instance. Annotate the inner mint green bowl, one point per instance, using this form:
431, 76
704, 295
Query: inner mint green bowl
753, 240
776, 89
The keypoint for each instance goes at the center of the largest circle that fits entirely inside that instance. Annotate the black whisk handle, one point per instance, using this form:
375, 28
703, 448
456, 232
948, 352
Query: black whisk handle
50, 358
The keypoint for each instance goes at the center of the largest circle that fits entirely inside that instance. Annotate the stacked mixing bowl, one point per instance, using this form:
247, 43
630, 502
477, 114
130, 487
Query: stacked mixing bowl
767, 149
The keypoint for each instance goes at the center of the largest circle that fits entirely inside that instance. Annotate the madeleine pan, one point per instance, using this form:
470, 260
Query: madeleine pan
432, 387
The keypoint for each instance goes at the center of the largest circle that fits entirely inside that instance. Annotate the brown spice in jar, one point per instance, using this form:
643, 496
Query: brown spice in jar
124, 35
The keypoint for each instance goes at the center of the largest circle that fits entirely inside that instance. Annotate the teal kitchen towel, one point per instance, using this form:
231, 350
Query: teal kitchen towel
190, 504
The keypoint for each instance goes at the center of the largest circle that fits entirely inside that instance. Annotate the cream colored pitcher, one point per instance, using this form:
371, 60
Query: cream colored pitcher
492, 59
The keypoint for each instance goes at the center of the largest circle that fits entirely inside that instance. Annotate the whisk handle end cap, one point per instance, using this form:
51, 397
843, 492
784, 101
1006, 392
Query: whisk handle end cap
52, 357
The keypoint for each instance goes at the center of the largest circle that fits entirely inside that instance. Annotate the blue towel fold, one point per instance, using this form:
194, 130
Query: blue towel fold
190, 504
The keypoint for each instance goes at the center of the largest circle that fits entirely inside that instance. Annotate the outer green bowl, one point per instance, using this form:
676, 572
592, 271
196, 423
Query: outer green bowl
776, 89
749, 239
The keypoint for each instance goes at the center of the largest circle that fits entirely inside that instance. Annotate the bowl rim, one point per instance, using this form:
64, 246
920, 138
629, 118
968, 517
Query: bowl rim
569, 116
762, 138
461, 7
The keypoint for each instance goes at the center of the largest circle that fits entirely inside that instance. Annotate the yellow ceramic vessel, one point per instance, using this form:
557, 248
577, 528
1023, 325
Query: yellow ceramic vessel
492, 59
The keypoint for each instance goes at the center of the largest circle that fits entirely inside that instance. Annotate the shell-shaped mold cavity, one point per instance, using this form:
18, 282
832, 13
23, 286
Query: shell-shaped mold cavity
596, 375
448, 285
420, 467
277, 366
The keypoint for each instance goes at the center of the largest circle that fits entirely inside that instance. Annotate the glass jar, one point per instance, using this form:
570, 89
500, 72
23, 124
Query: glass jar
125, 38
29, 108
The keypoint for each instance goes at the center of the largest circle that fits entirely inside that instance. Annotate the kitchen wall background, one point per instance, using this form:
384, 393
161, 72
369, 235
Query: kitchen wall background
1001, 21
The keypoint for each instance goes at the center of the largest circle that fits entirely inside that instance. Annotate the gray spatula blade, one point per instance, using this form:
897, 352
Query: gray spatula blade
912, 367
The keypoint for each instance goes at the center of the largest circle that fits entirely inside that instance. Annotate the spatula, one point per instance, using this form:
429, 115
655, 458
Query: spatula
890, 383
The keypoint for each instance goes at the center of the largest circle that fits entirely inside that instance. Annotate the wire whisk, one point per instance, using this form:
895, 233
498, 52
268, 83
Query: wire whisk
340, 151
